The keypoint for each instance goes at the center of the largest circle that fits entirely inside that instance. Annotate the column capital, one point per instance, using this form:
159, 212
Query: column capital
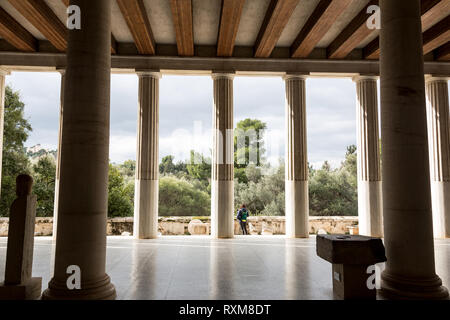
363, 77
4, 72
432, 78
156, 74
295, 76
222, 75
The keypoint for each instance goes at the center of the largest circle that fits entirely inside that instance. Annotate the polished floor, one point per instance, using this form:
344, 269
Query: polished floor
200, 268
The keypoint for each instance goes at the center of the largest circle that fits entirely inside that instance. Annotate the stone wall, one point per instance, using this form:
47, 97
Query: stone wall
179, 225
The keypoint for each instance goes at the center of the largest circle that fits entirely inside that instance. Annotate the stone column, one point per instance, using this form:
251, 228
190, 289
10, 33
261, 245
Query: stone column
147, 170
3, 74
296, 158
368, 154
83, 197
408, 229
58, 157
222, 168
439, 146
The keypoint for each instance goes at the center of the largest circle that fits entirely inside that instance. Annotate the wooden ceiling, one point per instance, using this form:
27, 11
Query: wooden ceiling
297, 29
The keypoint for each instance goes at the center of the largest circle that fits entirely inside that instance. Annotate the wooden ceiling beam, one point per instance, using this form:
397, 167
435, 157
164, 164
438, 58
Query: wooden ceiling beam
184, 30
431, 11
15, 34
277, 17
318, 24
437, 35
442, 53
355, 32
137, 20
41, 16
230, 18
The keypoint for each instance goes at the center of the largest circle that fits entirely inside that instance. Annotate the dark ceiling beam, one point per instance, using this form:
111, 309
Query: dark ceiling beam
182, 20
437, 35
431, 11
442, 53
137, 20
318, 24
113, 39
277, 17
15, 34
355, 32
230, 18
41, 16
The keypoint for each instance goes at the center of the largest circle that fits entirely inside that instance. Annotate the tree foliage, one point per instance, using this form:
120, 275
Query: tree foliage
14, 160
44, 172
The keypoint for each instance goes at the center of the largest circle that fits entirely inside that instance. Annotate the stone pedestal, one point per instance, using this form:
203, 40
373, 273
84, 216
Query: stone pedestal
370, 211
296, 185
83, 196
18, 284
222, 182
147, 170
351, 256
408, 228
439, 147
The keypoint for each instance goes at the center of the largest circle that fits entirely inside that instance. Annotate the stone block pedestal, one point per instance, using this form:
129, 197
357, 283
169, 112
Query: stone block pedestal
351, 256
29, 290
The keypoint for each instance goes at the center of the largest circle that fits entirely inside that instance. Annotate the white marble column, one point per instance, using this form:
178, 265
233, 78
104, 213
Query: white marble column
58, 157
439, 146
222, 168
370, 214
147, 171
408, 227
3, 73
296, 158
83, 197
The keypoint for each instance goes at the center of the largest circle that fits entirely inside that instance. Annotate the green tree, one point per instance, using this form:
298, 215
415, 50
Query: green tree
120, 201
179, 197
44, 172
14, 161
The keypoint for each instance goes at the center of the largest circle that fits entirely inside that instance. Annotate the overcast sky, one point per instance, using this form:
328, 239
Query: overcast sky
186, 113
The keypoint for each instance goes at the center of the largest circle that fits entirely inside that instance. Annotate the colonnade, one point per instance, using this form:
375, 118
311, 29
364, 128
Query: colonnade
405, 208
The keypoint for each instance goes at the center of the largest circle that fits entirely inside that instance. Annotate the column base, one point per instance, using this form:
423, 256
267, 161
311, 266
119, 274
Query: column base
297, 209
394, 287
99, 290
30, 290
222, 209
146, 209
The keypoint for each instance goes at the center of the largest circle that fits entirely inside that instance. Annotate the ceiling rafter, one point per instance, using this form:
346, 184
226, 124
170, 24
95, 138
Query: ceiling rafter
41, 16
137, 20
437, 35
277, 17
318, 24
15, 34
230, 18
184, 30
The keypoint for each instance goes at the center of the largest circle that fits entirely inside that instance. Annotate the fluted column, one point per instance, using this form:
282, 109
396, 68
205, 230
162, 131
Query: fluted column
222, 169
58, 157
370, 214
439, 146
296, 158
3, 74
146, 186
83, 197
408, 229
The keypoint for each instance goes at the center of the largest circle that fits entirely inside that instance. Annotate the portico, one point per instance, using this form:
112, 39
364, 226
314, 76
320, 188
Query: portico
295, 40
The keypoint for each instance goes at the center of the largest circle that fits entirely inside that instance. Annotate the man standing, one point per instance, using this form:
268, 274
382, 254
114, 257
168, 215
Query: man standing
242, 217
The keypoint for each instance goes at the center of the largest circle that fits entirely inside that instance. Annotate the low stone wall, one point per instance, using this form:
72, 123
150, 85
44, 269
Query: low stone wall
179, 225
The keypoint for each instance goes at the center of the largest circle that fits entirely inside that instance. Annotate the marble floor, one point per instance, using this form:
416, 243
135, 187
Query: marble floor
201, 268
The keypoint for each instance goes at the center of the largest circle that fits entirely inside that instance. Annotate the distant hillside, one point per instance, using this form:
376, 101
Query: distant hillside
37, 152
